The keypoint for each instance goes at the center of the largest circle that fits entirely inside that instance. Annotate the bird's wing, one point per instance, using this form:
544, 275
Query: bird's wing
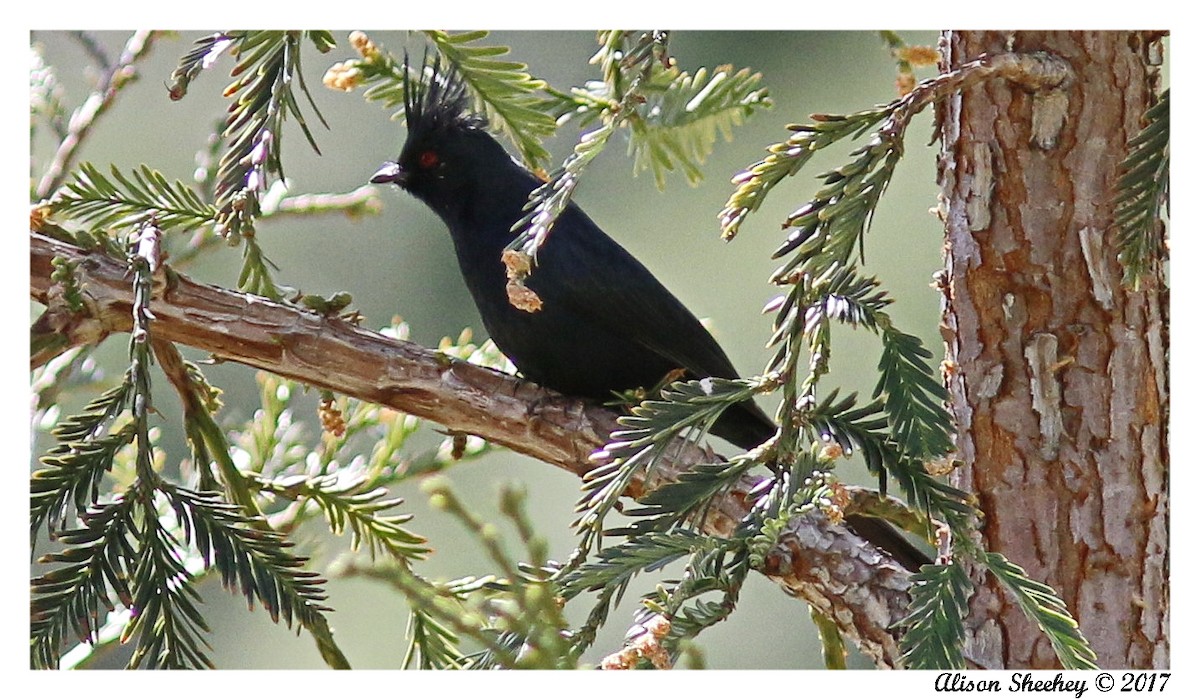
603, 282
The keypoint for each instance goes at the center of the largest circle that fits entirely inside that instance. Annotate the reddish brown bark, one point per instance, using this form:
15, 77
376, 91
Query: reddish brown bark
1058, 374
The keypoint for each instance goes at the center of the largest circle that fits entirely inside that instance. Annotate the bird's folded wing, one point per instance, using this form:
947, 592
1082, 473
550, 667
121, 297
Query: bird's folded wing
603, 282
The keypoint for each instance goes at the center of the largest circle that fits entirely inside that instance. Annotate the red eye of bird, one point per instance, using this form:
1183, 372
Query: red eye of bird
428, 159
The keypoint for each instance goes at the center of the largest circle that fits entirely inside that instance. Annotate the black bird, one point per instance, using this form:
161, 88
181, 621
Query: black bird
607, 323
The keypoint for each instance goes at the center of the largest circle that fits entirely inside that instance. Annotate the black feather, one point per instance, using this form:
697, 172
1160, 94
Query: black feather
438, 101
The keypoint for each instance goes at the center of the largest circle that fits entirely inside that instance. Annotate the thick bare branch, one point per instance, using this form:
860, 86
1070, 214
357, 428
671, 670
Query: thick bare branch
821, 562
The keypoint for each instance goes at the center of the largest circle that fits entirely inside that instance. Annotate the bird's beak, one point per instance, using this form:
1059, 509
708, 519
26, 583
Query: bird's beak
390, 172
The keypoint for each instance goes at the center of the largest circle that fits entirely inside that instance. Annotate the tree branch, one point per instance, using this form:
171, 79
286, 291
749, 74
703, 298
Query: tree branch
848, 580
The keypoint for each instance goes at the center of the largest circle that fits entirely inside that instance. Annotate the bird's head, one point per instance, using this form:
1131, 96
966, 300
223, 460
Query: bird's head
447, 150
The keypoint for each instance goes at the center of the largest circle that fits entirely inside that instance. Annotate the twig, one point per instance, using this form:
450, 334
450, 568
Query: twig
85, 115
92, 46
357, 202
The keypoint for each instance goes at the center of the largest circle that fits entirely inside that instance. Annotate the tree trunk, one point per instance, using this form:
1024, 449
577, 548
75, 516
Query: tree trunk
1058, 374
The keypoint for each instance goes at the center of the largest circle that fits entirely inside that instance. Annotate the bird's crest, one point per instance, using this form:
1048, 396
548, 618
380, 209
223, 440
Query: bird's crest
436, 98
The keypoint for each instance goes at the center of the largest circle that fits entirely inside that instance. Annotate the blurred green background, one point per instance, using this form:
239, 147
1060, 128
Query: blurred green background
401, 263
